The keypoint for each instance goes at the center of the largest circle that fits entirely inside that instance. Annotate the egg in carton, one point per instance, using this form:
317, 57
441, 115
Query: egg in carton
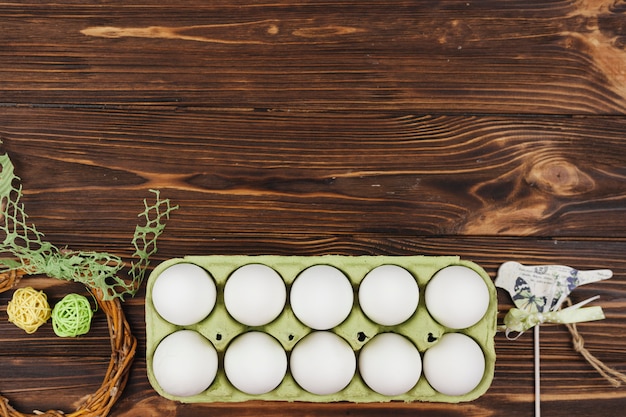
320, 328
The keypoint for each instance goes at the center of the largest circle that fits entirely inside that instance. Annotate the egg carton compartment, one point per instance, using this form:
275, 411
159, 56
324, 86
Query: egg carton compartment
421, 329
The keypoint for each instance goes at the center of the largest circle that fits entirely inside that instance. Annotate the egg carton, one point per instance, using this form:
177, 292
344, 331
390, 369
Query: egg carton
421, 329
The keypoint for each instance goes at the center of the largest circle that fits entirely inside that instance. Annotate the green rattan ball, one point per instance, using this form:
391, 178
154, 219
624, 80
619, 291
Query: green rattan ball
71, 316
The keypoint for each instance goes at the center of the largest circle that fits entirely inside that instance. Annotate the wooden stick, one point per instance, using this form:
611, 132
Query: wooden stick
537, 374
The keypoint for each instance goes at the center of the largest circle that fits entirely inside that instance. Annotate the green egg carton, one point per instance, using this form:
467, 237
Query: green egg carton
220, 328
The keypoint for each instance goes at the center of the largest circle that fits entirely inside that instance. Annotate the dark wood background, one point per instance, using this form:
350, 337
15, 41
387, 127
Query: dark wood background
493, 130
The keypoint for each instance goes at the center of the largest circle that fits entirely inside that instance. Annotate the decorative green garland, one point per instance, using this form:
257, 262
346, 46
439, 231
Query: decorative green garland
98, 270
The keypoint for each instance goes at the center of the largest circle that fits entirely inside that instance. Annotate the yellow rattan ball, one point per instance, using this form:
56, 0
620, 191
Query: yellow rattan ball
28, 309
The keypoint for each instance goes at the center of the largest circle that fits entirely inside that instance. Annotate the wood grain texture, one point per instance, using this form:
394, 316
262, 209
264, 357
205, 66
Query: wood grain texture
489, 130
554, 56
340, 174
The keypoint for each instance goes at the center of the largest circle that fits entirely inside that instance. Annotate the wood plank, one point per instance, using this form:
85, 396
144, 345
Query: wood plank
277, 173
569, 383
549, 56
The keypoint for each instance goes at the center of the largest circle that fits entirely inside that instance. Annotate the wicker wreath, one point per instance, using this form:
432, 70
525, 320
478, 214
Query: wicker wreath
123, 347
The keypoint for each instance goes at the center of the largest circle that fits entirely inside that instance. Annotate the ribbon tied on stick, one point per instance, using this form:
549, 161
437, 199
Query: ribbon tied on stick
517, 320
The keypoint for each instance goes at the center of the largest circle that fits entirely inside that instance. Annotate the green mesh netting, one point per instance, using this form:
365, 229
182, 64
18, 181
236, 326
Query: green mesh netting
95, 269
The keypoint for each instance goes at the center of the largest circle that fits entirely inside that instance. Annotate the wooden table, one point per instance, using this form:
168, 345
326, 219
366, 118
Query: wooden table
493, 130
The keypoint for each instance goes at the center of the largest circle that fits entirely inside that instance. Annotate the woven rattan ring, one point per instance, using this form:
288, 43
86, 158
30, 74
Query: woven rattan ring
123, 346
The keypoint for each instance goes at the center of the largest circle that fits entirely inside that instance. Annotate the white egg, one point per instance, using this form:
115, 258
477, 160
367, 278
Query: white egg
457, 297
390, 364
255, 294
455, 365
322, 363
388, 295
321, 297
184, 363
255, 363
184, 294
